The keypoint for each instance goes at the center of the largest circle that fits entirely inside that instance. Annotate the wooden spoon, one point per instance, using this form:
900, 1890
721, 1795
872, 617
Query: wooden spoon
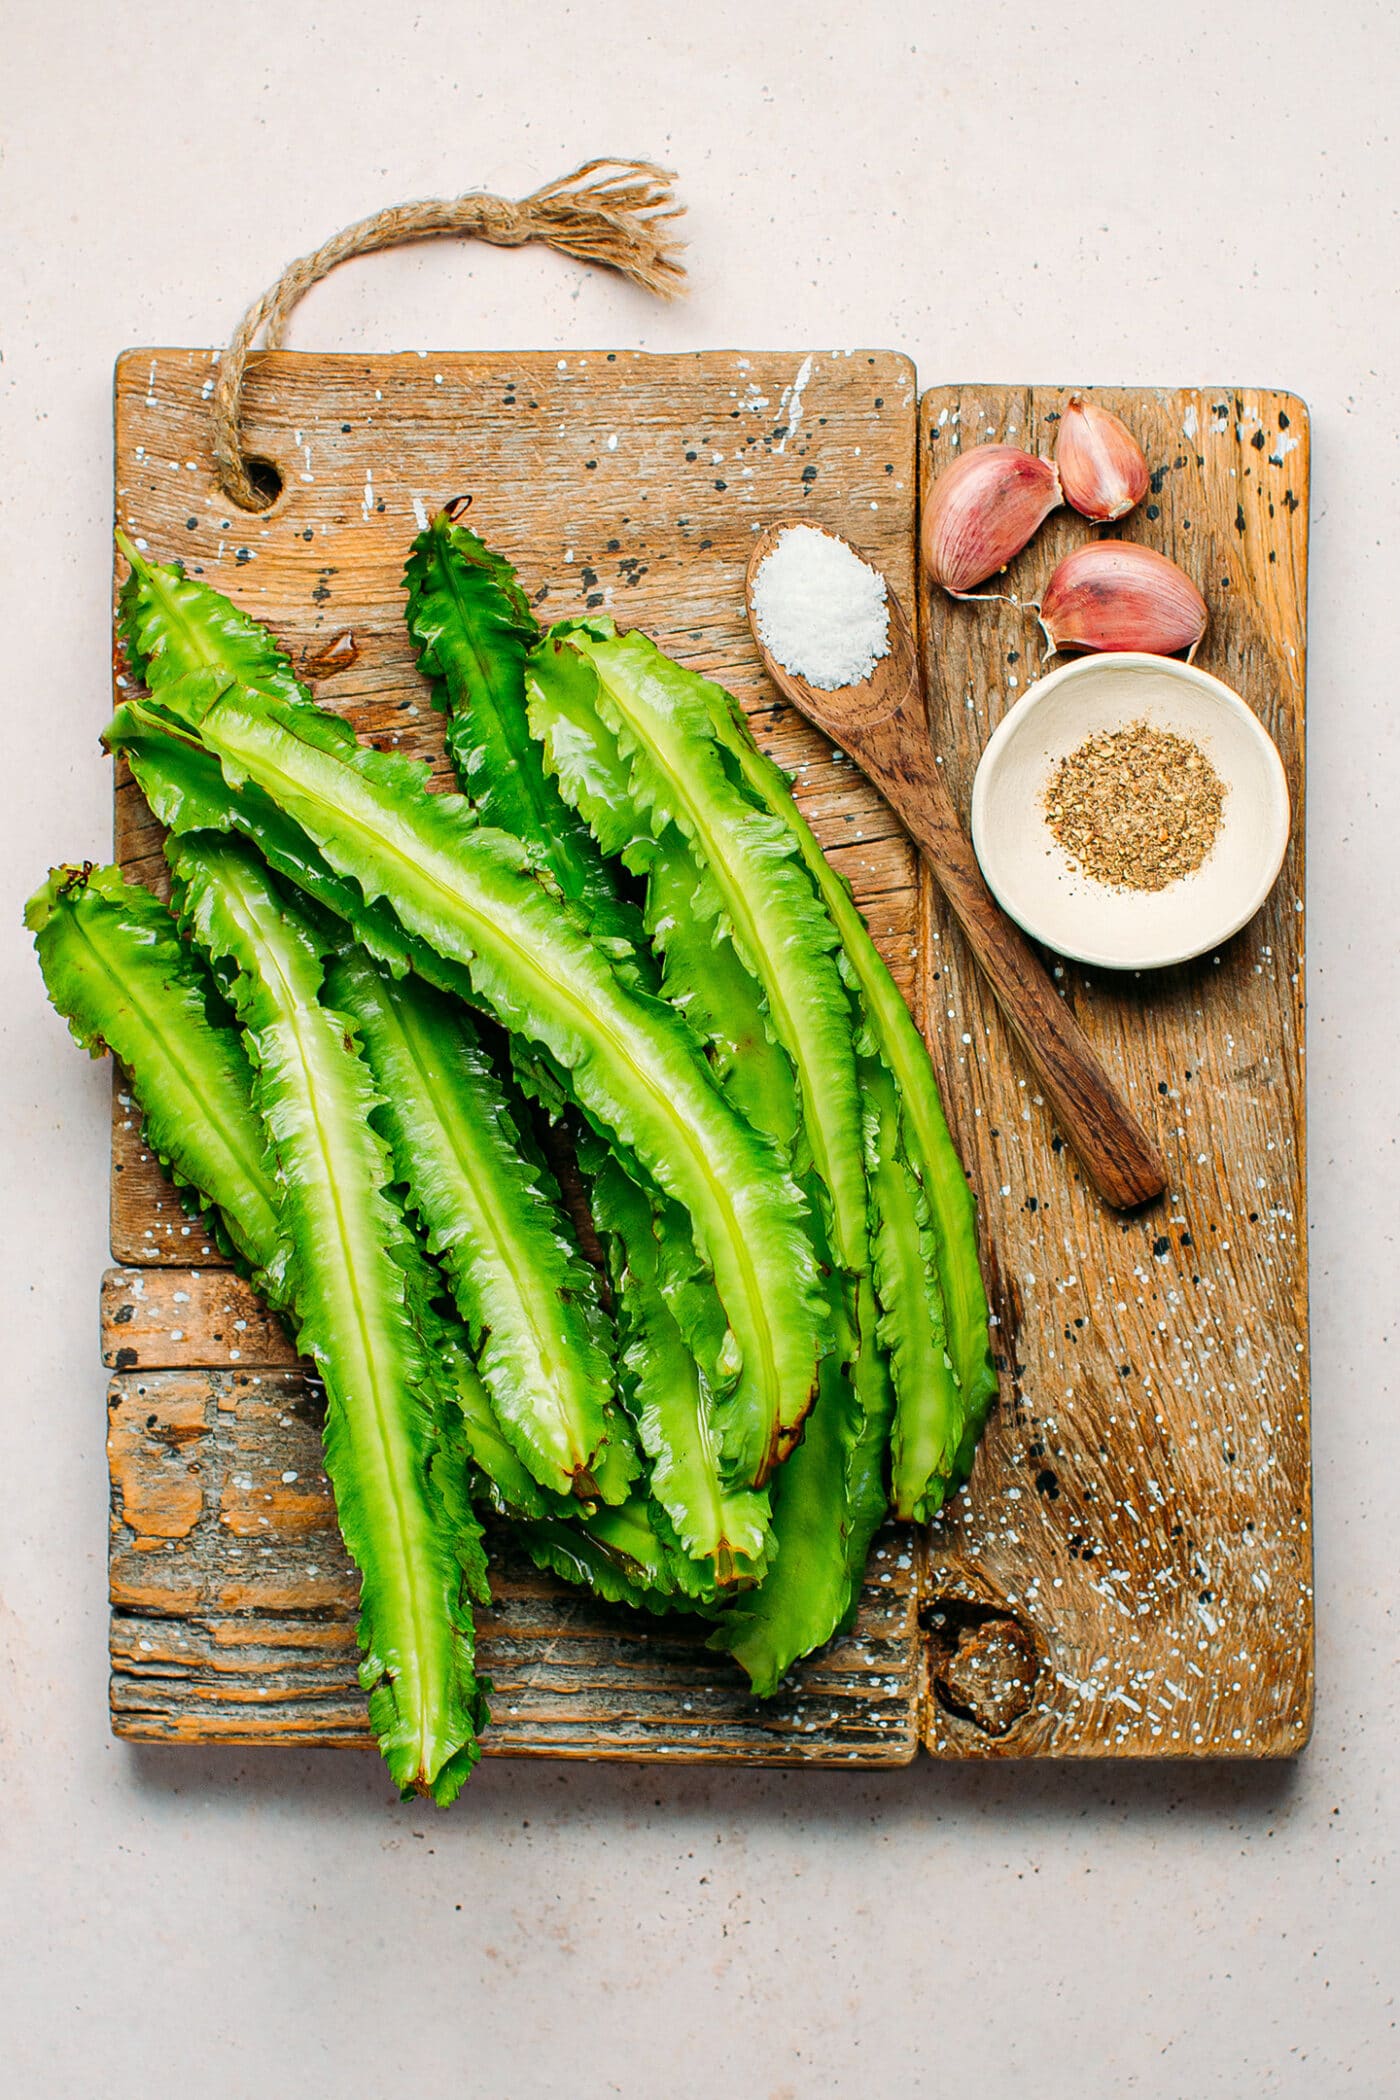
882, 724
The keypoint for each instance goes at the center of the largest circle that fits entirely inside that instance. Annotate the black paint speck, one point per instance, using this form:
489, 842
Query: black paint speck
1161, 1246
809, 475
721, 485
594, 600
190, 524
241, 554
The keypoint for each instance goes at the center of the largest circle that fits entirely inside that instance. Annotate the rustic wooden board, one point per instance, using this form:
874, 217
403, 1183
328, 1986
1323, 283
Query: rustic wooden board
635, 483
234, 1608
1129, 1571
1140, 1511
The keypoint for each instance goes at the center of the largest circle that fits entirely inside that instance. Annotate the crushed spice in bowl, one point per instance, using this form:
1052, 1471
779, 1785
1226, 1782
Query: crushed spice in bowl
1130, 811
1137, 807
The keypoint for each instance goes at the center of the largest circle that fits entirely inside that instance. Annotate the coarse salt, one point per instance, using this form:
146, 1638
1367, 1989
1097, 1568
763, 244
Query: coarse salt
821, 611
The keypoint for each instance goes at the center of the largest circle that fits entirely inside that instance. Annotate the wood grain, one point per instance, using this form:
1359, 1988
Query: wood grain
630, 483
1140, 1509
233, 1612
1128, 1573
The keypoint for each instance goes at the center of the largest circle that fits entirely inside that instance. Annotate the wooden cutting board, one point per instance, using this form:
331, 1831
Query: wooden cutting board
1128, 1573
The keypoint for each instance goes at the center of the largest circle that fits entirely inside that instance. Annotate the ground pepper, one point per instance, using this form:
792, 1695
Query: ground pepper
1136, 808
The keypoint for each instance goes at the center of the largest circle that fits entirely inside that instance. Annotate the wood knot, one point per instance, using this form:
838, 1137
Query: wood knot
984, 1663
338, 654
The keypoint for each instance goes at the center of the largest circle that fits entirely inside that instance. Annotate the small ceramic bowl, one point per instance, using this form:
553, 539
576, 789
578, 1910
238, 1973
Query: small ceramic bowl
1030, 873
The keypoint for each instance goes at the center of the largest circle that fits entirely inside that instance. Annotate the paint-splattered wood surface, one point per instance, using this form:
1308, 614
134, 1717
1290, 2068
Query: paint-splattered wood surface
1049, 1613
234, 1608
631, 483
1140, 1509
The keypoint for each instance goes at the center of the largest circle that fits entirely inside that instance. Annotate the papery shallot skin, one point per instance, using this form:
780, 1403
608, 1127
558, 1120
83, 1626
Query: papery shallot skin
982, 510
1101, 465
1115, 595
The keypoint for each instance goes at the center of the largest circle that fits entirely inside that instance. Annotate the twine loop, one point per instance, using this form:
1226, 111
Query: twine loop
608, 212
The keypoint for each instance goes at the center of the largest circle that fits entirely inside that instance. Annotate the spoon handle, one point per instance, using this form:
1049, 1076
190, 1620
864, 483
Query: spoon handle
1113, 1148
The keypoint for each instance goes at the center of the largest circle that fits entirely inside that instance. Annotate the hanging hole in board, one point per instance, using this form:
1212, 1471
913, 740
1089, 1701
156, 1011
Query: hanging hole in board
266, 478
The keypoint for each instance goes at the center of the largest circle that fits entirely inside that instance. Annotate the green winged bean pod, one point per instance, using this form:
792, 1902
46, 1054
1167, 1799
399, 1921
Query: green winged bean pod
472, 627
958, 1396
468, 892
116, 969
752, 958
622, 1555
748, 882
528, 1297
115, 966
349, 1286
726, 1529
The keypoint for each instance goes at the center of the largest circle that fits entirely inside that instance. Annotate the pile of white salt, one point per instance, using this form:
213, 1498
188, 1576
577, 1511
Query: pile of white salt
820, 610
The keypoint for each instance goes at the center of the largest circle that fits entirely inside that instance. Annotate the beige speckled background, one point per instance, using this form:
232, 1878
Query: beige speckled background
1008, 192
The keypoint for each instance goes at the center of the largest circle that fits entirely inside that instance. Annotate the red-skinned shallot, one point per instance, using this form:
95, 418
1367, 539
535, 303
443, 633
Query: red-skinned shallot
1101, 465
1114, 594
982, 510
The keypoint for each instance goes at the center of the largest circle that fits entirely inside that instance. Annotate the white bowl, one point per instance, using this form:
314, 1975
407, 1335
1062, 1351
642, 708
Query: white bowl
1030, 873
